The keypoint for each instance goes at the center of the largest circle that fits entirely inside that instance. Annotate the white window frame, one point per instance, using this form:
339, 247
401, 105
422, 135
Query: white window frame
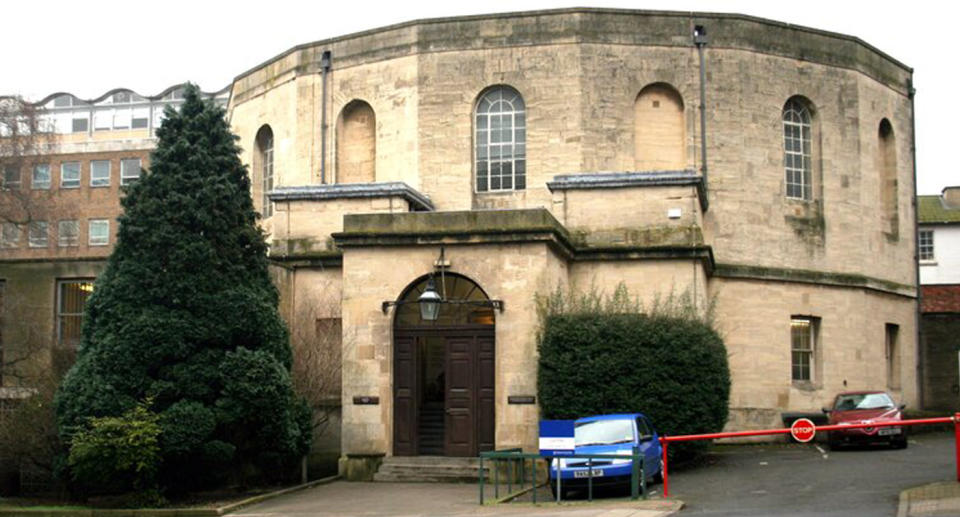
266, 157
93, 237
64, 238
73, 182
126, 179
926, 251
42, 185
808, 349
38, 235
504, 107
9, 235
99, 182
797, 151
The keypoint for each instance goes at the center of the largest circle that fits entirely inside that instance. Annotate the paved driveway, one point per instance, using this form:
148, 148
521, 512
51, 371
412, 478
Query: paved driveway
802, 480
434, 499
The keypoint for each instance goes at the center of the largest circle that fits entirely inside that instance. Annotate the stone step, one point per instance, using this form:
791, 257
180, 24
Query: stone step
431, 460
422, 478
428, 469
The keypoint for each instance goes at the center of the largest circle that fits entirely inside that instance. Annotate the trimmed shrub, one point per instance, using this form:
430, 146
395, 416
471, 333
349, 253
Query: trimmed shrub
670, 365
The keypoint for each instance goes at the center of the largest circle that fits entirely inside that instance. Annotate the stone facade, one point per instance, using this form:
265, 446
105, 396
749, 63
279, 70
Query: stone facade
614, 190
377, 164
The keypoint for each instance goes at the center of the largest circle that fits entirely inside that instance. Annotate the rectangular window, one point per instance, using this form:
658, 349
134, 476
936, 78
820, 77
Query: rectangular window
803, 347
10, 235
892, 353
80, 125
41, 177
102, 120
72, 299
100, 173
129, 170
141, 118
121, 119
99, 231
37, 237
925, 245
11, 177
70, 175
68, 233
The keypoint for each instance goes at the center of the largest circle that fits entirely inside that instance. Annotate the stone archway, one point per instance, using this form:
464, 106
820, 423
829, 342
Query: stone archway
444, 373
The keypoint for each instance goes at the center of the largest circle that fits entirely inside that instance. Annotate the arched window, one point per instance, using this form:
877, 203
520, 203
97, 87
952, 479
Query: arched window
659, 129
264, 165
356, 143
501, 129
797, 149
887, 165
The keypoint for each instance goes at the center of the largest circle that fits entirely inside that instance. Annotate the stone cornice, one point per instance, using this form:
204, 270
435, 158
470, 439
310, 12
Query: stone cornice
419, 201
606, 180
591, 25
806, 276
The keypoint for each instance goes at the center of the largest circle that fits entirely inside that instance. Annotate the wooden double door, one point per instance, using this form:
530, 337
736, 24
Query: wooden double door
443, 392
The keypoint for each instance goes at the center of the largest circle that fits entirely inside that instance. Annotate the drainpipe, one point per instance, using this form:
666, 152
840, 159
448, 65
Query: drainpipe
700, 40
911, 93
324, 69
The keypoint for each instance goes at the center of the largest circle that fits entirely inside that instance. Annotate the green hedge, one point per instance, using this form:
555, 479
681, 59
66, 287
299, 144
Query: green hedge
672, 368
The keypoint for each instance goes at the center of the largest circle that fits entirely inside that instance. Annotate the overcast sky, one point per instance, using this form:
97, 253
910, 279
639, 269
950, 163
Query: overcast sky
90, 47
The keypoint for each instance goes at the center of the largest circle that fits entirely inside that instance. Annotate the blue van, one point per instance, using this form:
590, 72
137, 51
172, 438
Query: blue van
609, 434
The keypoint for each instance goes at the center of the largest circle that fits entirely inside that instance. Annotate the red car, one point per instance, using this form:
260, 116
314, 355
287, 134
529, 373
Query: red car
866, 407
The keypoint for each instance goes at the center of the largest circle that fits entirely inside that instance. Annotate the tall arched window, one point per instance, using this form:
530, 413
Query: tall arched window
357, 143
264, 165
797, 149
887, 165
501, 150
658, 129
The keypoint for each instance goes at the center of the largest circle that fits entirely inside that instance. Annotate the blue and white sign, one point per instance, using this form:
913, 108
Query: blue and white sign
556, 437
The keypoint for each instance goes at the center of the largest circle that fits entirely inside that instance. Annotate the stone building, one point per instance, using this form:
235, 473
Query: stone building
939, 256
489, 159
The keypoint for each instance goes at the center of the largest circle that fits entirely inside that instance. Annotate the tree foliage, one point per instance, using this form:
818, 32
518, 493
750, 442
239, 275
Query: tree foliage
668, 363
185, 313
121, 449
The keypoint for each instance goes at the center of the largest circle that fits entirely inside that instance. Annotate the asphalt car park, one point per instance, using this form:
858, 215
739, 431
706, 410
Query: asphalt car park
810, 479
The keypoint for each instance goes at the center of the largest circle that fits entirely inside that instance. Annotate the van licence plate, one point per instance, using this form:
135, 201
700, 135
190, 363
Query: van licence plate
597, 473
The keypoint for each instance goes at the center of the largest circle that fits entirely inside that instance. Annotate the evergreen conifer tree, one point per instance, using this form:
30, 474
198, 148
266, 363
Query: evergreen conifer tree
186, 315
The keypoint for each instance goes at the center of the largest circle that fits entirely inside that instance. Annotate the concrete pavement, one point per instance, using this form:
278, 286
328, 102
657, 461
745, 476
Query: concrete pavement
436, 499
930, 500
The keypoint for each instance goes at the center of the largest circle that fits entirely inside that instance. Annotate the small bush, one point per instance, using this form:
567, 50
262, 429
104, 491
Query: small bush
119, 453
601, 357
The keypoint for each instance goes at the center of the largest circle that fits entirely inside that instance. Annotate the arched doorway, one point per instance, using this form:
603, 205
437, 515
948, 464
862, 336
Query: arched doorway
443, 385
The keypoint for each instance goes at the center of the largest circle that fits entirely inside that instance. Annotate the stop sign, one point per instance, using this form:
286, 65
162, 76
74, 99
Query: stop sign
803, 430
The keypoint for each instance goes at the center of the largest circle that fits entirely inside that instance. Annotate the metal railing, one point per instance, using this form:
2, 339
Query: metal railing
665, 441
514, 457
